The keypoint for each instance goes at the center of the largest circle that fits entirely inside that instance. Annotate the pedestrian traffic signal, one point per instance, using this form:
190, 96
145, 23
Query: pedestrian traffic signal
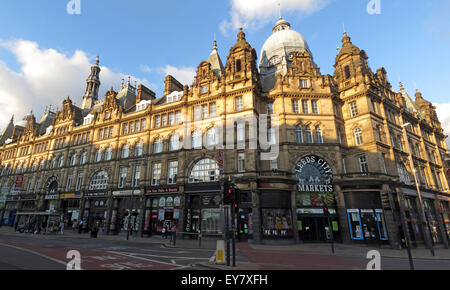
326, 211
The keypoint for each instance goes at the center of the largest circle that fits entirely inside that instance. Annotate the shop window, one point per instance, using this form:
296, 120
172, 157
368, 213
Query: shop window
277, 223
354, 221
211, 220
381, 224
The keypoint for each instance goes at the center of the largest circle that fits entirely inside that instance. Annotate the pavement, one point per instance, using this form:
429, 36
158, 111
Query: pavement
275, 257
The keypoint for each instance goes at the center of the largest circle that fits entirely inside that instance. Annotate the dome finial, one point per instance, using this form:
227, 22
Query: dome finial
279, 11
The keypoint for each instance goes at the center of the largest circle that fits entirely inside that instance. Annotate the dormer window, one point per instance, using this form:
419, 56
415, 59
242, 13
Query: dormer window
304, 84
275, 60
107, 115
88, 119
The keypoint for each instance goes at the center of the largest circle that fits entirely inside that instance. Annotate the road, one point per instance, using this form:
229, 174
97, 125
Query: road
50, 253
37, 252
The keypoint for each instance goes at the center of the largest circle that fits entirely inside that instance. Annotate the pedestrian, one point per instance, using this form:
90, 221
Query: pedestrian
80, 226
61, 227
164, 229
173, 231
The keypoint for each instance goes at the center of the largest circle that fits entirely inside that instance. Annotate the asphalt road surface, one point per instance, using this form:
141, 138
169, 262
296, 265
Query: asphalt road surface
30, 252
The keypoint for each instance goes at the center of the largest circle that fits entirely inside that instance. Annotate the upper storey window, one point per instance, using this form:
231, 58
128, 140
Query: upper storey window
141, 106
353, 109
275, 60
204, 90
304, 84
347, 72
88, 119
174, 97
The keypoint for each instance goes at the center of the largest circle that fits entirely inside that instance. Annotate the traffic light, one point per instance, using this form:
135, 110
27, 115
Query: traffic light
228, 193
237, 198
326, 211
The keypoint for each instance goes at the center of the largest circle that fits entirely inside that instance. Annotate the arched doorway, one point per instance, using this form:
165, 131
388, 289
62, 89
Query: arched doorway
315, 192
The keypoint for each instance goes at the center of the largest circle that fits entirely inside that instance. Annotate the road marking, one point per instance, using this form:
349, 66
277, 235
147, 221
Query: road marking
37, 254
137, 257
166, 257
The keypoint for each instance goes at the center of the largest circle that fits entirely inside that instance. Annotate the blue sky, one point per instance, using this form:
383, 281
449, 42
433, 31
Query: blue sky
147, 39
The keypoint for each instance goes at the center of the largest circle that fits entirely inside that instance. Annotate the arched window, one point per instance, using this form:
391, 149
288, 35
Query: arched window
73, 160
158, 146
238, 65
98, 155
197, 139
53, 163
83, 158
299, 134
42, 165
174, 142
126, 151
403, 173
61, 161
212, 137
319, 137
34, 167
99, 181
205, 170
108, 154
308, 133
358, 137
139, 149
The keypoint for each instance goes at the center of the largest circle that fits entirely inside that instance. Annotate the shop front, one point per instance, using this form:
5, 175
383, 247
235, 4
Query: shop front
126, 210
9, 214
203, 211
51, 195
276, 215
315, 192
95, 210
70, 208
162, 210
444, 206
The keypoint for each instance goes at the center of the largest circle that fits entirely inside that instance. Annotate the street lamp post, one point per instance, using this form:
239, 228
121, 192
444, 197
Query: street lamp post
419, 195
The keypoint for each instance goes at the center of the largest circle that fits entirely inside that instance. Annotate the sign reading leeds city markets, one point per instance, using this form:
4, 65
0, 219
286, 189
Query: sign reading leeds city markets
314, 175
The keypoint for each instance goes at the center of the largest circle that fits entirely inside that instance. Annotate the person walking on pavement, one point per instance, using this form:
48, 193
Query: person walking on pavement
61, 227
173, 232
80, 226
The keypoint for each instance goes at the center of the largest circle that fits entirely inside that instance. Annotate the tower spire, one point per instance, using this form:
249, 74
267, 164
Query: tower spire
92, 86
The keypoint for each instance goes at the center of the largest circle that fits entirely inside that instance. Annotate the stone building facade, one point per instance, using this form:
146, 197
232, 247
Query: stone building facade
341, 141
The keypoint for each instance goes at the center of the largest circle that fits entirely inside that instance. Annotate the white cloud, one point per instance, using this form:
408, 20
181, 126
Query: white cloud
443, 111
254, 13
46, 77
184, 75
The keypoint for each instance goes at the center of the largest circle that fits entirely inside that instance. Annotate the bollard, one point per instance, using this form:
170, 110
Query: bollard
220, 252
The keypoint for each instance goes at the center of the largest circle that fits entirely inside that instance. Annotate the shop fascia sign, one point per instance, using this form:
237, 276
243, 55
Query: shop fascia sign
314, 174
314, 211
127, 192
162, 190
69, 195
51, 196
94, 194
